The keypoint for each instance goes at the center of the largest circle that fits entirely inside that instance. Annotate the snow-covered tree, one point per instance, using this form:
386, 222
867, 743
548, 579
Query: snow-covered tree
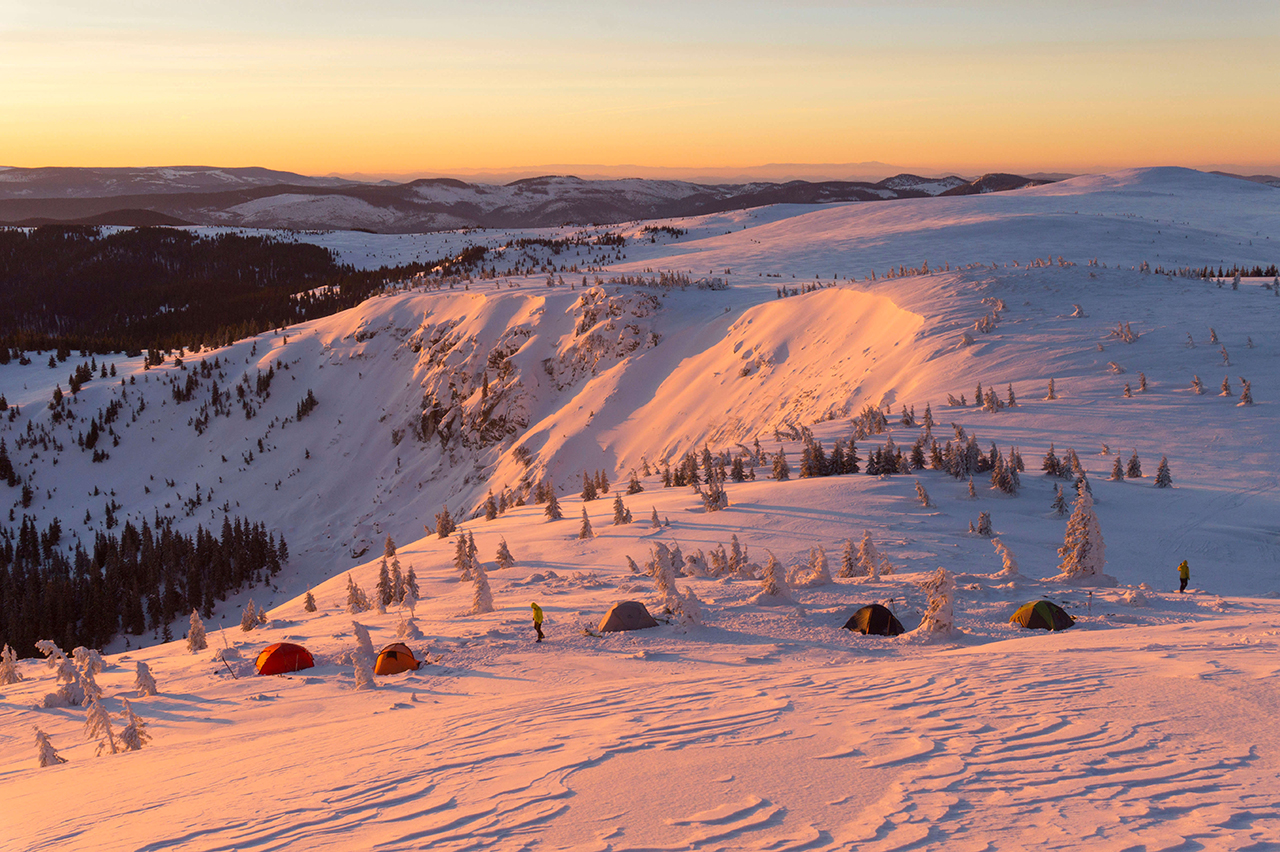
504, 558
984, 524
1117, 471
634, 486
309, 602
1134, 469
383, 589
134, 734
585, 531
411, 587
868, 557
97, 724
144, 681
662, 569
588, 488
196, 639
357, 600
817, 572
774, 582
620, 514
8, 667
939, 616
849, 559
363, 672
923, 496
482, 596
654, 522
1052, 394
1008, 565
1246, 393
781, 470
249, 617
1163, 478
46, 755
462, 558
490, 507
736, 557
1196, 385
1083, 551
552, 511
1226, 386
444, 523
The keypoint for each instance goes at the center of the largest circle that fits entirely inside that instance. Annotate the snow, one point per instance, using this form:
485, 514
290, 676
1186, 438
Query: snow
1148, 725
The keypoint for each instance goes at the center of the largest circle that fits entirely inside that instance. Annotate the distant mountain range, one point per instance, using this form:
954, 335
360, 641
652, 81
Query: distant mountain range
261, 198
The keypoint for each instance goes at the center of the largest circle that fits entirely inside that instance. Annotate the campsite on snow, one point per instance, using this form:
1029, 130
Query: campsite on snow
853, 525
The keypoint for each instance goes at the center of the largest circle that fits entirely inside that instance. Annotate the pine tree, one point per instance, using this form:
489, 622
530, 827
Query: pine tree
939, 616
923, 496
444, 523
588, 488
1051, 394
620, 514
98, 724
634, 486
144, 681
849, 559
984, 524
1163, 477
411, 591
385, 596
482, 596
1051, 466
1008, 565
504, 559
46, 755
1196, 385
584, 532
654, 522
552, 511
819, 572
1117, 471
134, 735
1134, 469
357, 601
774, 582
490, 507
736, 560
249, 617
462, 558
8, 667
781, 471
1083, 551
1226, 386
1012, 400
1246, 393
868, 557
1059, 505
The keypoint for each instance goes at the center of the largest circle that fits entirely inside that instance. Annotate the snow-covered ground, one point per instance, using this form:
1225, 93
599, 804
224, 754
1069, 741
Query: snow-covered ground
766, 727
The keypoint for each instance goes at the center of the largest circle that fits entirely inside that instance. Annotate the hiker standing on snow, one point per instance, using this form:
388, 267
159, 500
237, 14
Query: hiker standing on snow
537, 620
1184, 574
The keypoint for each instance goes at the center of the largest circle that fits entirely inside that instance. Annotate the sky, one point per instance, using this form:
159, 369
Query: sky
393, 87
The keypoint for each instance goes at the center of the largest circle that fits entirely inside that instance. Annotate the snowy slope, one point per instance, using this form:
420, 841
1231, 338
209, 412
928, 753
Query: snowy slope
767, 727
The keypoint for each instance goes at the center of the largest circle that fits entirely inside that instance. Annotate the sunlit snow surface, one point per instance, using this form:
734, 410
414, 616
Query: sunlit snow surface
1149, 725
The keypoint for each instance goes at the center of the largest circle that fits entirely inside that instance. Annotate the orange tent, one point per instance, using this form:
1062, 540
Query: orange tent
282, 658
395, 658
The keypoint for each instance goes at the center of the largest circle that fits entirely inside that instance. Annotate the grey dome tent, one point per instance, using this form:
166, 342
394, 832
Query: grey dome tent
875, 620
626, 615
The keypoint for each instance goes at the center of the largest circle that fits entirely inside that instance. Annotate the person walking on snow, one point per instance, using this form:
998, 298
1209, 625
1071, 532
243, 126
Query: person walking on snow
1184, 574
537, 620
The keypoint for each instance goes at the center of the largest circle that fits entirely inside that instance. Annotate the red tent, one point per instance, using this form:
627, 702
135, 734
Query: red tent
282, 658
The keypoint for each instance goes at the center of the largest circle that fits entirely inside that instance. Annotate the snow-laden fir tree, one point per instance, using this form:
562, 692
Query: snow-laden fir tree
249, 617
1117, 471
1052, 394
357, 600
1128, 392
552, 511
585, 531
196, 639
849, 559
309, 602
363, 657
1008, 565
973, 494
1246, 393
1196, 385
144, 681
773, 584
8, 667
490, 507
504, 558
868, 557
1134, 469
134, 734
97, 724
662, 569
654, 522
1083, 551
482, 595
462, 558
1142, 382
736, 558
1163, 478
781, 470
939, 615
411, 592
444, 523
984, 524
588, 488
46, 755
1226, 386
923, 496
1213, 335
634, 486
383, 591
817, 572
620, 514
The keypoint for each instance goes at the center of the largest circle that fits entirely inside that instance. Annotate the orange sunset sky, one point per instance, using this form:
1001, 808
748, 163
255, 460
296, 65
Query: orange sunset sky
405, 88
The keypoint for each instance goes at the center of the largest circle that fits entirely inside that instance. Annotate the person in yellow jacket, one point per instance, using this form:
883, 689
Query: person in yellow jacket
537, 621
1184, 574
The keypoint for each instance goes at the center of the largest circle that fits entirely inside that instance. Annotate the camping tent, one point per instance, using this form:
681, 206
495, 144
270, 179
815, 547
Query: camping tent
395, 658
875, 620
1042, 615
283, 657
626, 615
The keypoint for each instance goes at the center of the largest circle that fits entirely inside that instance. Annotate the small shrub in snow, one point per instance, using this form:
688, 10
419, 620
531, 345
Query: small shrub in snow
144, 682
196, 639
8, 667
46, 755
134, 734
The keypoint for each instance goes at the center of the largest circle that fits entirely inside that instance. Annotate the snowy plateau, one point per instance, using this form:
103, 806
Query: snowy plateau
744, 720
